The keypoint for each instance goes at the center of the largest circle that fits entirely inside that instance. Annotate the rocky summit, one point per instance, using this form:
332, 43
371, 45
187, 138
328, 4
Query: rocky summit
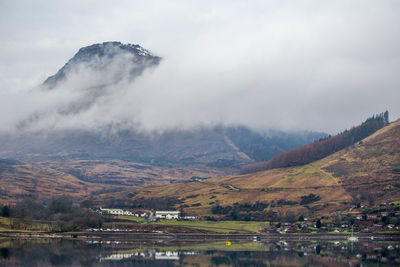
98, 56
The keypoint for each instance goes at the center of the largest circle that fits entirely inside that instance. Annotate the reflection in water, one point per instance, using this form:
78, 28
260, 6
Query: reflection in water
62, 252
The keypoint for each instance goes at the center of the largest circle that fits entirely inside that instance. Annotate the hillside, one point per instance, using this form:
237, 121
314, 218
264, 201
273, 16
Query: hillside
367, 172
19, 180
133, 158
120, 153
323, 148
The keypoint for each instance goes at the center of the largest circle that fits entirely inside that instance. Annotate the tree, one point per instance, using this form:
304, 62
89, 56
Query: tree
182, 212
318, 249
386, 117
318, 224
61, 205
5, 211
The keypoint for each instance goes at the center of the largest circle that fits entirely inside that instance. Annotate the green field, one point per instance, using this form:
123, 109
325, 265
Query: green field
4, 224
214, 226
219, 226
132, 218
32, 226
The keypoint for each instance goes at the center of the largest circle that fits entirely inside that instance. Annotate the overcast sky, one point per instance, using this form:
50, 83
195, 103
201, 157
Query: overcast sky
312, 65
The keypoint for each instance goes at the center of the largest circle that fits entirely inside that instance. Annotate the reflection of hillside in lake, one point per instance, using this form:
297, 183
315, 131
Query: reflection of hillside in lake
57, 252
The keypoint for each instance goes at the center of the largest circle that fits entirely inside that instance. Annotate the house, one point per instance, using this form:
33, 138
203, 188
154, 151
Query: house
140, 213
112, 211
167, 214
116, 211
127, 212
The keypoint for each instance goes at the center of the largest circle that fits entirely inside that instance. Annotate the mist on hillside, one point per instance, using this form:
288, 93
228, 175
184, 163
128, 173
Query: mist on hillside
306, 66
164, 97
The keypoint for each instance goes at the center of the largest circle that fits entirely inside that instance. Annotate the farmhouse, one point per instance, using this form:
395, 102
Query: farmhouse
167, 214
116, 211
140, 214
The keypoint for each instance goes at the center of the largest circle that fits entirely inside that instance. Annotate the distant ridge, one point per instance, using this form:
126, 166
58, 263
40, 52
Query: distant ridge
366, 173
322, 148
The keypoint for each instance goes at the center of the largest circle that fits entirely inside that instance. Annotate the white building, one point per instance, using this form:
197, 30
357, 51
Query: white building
139, 214
117, 211
167, 214
167, 255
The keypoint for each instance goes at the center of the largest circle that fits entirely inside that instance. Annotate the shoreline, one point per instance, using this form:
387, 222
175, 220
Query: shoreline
202, 237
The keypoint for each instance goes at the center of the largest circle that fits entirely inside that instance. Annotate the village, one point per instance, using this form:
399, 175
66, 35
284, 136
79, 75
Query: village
169, 215
358, 218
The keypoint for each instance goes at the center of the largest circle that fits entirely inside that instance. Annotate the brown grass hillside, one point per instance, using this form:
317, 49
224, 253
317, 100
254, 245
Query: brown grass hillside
19, 180
368, 172
130, 175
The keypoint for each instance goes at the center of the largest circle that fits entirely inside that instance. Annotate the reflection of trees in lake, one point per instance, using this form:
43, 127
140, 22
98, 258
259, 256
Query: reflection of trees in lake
257, 258
61, 252
5, 253
53, 252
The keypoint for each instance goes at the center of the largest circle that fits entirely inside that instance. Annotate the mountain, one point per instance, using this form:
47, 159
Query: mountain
19, 180
137, 158
132, 57
129, 157
367, 172
261, 146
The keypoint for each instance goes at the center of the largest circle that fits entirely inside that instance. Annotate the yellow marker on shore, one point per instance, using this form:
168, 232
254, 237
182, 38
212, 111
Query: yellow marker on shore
228, 243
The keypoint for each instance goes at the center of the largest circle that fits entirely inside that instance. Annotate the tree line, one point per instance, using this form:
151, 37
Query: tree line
60, 214
244, 211
322, 148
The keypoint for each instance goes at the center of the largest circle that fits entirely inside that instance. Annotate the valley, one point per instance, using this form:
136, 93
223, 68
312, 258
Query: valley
199, 133
363, 173
215, 172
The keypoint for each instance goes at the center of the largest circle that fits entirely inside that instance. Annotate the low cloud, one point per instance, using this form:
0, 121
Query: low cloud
307, 66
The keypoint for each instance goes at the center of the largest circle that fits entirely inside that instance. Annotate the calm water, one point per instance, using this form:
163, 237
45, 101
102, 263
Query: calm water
51, 252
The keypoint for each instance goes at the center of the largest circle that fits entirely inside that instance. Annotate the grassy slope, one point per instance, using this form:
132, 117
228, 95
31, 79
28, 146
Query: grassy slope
337, 179
23, 180
370, 171
127, 175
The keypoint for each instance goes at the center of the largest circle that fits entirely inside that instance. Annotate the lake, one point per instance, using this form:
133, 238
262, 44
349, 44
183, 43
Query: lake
103, 252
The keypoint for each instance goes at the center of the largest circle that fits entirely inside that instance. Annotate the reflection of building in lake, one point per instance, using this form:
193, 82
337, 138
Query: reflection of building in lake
118, 257
167, 255
149, 255
123, 256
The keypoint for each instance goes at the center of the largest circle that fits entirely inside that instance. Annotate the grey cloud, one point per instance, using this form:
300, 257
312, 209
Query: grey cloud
311, 65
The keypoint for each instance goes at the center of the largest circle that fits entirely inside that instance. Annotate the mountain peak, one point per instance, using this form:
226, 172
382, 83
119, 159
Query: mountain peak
102, 54
110, 49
